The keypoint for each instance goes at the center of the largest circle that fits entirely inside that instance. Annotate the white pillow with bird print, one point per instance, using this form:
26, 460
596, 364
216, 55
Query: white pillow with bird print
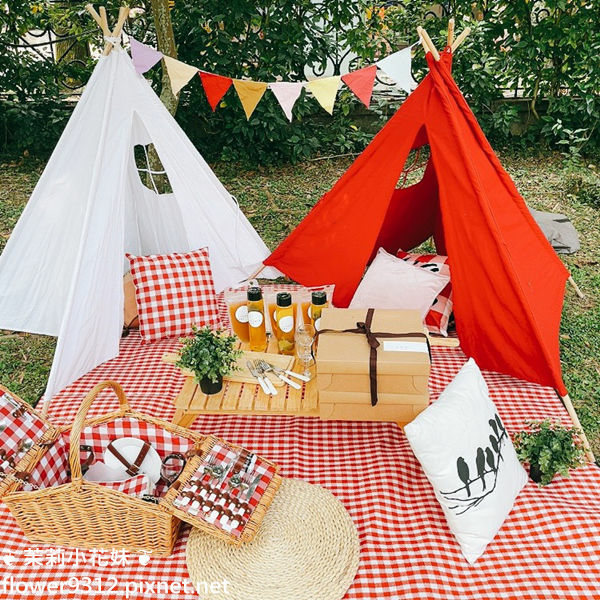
468, 457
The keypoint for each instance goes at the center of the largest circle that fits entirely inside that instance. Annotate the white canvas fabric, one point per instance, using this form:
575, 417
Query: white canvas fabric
61, 271
469, 459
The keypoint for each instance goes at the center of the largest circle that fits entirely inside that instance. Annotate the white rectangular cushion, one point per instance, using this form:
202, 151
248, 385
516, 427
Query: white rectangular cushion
391, 282
458, 440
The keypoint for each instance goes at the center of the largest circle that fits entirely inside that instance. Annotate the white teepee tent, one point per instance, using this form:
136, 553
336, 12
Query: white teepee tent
61, 271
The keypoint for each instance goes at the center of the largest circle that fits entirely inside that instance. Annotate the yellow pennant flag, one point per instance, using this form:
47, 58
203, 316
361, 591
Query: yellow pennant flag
250, 93
325, 90
179, 73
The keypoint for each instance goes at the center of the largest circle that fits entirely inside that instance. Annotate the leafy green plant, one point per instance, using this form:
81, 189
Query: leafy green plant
209, 354
549, 448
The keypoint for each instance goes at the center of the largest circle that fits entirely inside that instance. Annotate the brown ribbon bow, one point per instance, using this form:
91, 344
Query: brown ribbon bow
365, 329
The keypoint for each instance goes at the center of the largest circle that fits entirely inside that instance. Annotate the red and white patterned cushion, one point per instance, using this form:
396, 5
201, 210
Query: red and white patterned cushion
173, 292
439, 314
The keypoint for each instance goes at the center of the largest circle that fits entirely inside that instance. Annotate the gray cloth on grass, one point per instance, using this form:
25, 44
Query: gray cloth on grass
559, 231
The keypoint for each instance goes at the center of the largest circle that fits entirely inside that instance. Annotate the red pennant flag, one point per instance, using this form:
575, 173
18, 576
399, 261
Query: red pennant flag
215, 87
361, 83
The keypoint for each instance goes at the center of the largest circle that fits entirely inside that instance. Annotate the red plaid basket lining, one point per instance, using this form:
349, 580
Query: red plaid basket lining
438, 317
223, 455
549, 547
173, 292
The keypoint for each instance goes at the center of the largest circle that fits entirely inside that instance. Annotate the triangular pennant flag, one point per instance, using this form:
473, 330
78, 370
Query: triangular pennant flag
361, 83
215, 87
143, 57
250, 93
325, 90
287, 92
179, 73
397, 66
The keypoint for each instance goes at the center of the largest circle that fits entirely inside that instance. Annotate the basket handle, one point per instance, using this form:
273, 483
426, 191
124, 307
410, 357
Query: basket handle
78, 423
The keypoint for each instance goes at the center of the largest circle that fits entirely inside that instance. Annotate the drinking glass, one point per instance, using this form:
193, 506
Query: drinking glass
305, 337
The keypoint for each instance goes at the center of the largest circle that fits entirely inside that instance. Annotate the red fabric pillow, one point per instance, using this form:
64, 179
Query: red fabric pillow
439, 314
173, 292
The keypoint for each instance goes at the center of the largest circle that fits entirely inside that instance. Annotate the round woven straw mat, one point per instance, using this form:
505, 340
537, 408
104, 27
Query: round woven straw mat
305, 549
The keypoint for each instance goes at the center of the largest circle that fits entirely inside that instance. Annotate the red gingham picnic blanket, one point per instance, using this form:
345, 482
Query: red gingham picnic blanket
549, 547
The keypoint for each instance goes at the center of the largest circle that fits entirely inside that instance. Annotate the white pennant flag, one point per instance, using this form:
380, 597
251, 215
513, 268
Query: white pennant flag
179, 73
286, 92
397, 66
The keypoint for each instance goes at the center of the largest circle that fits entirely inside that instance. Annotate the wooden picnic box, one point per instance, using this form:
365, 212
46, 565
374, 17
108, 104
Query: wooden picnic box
343, 366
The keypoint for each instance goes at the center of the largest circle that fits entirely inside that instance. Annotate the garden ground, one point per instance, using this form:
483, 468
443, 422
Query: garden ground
275, 200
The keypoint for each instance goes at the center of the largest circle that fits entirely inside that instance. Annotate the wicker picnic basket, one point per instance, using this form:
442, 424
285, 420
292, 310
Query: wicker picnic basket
85, 514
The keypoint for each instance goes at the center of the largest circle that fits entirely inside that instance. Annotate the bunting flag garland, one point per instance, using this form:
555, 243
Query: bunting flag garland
250, 93
397, 66
179, 73
215, 87
361, 83
324, 89
143, 57
287, 92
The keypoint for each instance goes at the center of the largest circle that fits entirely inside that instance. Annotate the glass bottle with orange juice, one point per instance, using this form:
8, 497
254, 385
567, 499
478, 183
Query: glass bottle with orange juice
238, 315
256, 320
319, 302
286, 323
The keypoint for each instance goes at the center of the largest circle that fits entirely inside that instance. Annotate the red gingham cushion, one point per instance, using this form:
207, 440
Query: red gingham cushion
439, 314
173, 292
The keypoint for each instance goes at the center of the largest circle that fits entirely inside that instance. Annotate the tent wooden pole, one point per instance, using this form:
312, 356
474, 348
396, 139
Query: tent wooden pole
105, 27
257, 272
423, 42
450, 32
90, 8
576, 287
123, 14
460, 39
424, 35
576, 423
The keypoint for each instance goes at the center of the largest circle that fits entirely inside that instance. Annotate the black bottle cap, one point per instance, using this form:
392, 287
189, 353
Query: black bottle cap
254, 294
319, 298
284, 299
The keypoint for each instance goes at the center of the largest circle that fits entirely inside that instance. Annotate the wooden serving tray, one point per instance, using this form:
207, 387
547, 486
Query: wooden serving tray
243, 375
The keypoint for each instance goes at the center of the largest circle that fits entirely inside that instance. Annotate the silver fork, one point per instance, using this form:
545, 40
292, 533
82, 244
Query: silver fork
258, 366
268, 368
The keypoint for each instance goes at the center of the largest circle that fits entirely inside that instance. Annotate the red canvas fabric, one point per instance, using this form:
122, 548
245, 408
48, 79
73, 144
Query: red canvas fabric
438, 317
173, 292
507, 306
215, 87
548, 549
361, 83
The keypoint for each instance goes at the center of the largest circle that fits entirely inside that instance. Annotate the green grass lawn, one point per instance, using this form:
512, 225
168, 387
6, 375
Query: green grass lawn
276, 199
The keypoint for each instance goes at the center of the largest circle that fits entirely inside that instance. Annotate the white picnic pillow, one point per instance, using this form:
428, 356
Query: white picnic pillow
391, 282
463, 446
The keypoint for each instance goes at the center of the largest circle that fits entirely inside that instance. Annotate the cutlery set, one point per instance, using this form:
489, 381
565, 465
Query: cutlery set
220, 490
260, 369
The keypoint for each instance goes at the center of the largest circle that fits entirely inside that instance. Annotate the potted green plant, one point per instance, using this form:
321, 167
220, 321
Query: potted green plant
549, 448
210, 354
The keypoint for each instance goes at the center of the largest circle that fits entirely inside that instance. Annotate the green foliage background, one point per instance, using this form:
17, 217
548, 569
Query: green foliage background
548, 51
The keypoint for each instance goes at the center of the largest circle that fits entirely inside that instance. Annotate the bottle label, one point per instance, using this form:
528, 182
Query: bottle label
241, 314
318, 324
255, 318
286, 324
310, 312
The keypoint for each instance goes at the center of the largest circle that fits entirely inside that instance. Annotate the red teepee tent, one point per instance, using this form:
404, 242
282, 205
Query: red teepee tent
507, 281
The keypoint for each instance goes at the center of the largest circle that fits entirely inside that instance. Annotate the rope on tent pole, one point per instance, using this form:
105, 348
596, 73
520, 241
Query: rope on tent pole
576, 287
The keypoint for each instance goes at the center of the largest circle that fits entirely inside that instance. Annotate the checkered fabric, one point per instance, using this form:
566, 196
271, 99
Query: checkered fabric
222, 454
134, 486
548, 548
438, 317
173, 292
51, 469
20, 426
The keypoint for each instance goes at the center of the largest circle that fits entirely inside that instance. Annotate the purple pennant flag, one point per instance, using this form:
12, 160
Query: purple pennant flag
143, 57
